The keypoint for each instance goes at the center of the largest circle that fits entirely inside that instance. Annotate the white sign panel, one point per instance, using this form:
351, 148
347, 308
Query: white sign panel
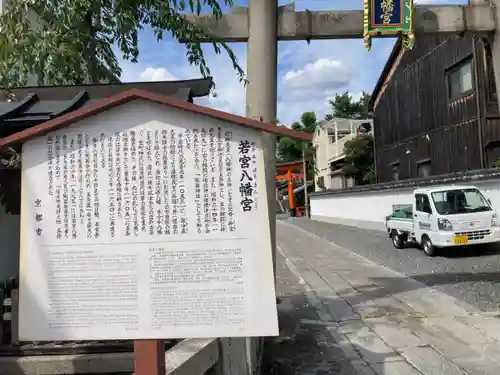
135, 229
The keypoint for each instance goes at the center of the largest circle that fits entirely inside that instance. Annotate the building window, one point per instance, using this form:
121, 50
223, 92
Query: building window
343, 133
331, 135
424, 169
460, 80
395, 171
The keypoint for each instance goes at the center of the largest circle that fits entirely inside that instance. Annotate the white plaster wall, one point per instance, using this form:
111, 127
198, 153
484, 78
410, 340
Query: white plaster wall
320, 141
335, 182
369, 209
366, 206
9, 244
491, 189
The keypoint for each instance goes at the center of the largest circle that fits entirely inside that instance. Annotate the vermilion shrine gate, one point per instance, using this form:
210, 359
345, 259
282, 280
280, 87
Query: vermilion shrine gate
291, 171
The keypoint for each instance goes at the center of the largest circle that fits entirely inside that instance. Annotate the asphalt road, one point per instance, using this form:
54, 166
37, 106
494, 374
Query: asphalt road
468, 273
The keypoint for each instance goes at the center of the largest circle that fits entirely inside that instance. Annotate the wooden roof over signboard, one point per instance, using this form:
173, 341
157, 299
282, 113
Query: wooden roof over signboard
34, 105
133, 94
198, 87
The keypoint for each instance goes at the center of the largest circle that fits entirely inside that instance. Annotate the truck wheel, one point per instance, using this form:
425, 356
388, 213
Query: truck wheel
429, 249
398, 241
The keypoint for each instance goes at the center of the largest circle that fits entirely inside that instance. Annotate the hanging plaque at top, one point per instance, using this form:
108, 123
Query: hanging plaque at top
389, 18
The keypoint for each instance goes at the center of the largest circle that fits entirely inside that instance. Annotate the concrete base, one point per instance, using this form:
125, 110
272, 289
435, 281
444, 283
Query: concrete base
371, 225
110, 363
189, 357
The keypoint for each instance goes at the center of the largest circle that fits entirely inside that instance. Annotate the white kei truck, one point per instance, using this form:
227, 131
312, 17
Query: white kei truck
443, 217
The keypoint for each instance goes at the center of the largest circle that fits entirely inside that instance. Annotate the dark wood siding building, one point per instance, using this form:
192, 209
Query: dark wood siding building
435, 109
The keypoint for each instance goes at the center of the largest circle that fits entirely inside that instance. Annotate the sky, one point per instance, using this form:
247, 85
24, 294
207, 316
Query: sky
308, 75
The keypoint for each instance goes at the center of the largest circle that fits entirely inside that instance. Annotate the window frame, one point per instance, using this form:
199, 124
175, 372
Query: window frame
421, 209
455, 69
421, 163
393, 166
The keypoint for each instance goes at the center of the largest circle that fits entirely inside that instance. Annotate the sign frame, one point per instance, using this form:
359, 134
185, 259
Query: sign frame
384, 10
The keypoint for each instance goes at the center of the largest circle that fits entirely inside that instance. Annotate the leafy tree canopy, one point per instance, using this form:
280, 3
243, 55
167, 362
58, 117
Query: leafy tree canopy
289, 149
77, 41
344, 106
68, 41
359, 159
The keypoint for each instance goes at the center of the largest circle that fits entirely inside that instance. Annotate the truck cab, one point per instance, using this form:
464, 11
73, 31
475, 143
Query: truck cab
449, 216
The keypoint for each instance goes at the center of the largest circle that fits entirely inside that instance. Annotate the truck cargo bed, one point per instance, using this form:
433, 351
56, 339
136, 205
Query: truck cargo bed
400, 224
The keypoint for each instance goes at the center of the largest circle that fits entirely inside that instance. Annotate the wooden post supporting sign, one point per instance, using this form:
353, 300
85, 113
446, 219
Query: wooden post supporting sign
149, 357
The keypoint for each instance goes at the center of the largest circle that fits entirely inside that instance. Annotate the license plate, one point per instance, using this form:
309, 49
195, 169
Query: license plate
461, 240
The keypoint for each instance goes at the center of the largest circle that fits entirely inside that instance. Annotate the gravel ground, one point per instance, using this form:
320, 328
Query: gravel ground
469, 274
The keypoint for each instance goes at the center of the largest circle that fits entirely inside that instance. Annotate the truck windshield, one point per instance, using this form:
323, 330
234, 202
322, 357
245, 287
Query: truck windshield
460, 201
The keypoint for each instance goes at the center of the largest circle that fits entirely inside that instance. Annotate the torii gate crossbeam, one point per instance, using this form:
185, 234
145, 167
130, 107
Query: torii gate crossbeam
346, 24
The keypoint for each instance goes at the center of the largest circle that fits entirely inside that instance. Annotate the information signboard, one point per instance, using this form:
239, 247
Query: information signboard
138, 228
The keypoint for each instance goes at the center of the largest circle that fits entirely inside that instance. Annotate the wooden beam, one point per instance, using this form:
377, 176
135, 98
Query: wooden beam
346, 24
149, 357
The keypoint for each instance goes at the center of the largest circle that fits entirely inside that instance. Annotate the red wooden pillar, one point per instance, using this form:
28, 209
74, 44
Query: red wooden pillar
149, 357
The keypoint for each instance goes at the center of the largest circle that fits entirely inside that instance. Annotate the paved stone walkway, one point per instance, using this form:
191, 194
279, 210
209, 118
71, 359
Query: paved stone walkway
357, 317
470, 274
305, 346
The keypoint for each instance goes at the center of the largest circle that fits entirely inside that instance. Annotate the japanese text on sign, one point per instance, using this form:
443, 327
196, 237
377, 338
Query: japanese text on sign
246, 185
146, 183
387, 8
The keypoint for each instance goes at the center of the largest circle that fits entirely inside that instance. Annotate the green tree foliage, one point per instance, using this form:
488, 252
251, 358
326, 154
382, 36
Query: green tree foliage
359, 162
359, 159
289, 149
77, 39
344, 106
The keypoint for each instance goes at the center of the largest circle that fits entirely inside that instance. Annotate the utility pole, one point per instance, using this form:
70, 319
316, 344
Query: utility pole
304, 170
